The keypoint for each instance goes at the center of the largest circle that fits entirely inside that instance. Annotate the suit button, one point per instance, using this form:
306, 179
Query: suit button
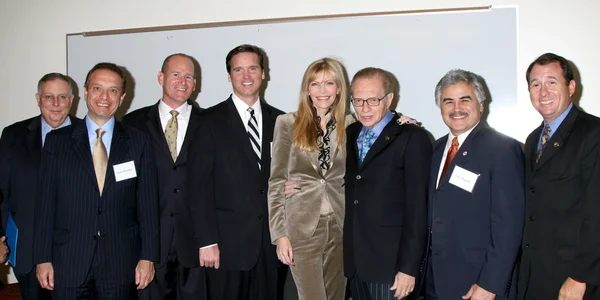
262, 192
358, 177
95, 237
532, 190
260, 216
175, 168
355, 201
531, 218
176, 191
322, 181
171, 214
99, 212
527, 246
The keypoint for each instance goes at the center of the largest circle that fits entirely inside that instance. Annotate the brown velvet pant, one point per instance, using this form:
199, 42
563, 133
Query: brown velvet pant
318, 270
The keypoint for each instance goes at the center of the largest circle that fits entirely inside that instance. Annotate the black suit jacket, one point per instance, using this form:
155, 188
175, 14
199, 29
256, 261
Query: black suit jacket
229, 192
476, 235
385, 228
74, 223
173, 189
20, 154
562, 229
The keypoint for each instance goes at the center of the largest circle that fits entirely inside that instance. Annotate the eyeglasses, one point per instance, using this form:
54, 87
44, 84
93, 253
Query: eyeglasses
373, 101
50, 97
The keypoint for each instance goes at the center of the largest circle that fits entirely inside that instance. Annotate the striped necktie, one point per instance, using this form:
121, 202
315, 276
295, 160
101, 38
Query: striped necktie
253, 135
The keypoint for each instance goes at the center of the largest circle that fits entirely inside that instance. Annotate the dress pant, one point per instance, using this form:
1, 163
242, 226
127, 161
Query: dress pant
30, 287
94, 288
259, 283
173, 281
430, 293
318, 271
370, 291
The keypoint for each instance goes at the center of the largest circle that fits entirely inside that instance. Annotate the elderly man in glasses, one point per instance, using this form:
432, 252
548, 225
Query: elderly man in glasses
387, 171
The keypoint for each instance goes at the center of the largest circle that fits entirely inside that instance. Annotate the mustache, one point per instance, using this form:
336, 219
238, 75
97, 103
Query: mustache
459, 113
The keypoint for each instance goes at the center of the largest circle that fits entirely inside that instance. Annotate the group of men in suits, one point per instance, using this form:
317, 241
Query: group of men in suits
172, 201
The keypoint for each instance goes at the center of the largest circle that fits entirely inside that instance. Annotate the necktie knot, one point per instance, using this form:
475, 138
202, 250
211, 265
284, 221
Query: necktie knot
251, 111
174, 113
99, 133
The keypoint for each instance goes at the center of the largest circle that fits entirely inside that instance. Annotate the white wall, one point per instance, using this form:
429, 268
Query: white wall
32, 36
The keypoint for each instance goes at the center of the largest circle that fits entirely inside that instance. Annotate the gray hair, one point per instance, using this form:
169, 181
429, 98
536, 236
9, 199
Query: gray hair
55, 76
456, 76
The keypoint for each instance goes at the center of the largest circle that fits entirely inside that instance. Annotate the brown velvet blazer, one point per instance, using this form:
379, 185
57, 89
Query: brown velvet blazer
296, 217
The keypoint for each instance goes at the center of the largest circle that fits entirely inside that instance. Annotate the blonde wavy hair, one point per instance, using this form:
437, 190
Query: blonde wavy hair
305, 126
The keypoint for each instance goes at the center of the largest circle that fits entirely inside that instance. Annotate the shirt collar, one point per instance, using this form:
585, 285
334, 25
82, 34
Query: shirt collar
242, 107
378, 128
556, 122
47, 128
461, 137
91, 126
165, 111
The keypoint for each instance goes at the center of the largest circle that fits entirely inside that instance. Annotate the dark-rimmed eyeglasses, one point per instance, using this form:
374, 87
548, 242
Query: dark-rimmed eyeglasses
373, 101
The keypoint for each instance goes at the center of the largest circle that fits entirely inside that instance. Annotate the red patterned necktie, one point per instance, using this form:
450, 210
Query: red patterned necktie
451, 153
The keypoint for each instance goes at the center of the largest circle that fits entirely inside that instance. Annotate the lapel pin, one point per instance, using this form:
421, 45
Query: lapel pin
556, 144
465, 153
387, 138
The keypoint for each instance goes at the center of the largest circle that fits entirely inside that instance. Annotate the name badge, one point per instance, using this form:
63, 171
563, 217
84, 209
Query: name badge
124, 171
463, 178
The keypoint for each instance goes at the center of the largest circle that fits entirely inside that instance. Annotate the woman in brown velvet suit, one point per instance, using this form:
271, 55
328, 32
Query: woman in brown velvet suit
309, 148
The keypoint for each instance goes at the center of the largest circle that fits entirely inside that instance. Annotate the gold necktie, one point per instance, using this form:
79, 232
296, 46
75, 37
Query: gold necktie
100, 158
171, 134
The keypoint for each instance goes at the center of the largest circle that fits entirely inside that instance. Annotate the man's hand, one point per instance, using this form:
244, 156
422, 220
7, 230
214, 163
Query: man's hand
209, 257
284, 251
406, 120
478, 293
144, 273
3, 250
572, 290
403, 285
45, 275
289, 188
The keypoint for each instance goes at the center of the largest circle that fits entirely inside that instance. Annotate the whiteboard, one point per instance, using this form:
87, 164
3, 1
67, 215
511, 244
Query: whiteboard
417, 48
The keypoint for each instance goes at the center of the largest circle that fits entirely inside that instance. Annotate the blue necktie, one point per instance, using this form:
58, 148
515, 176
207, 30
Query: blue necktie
368, 140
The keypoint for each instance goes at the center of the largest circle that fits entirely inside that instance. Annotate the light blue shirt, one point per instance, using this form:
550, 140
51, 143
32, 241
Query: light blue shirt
554, 124
47, 128
106, 138
377, 129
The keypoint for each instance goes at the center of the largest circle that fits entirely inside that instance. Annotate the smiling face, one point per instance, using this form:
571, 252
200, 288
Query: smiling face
460, 107
246, 76
370, 87
323, 91
54, 100
103, 95
549, 92
178, 81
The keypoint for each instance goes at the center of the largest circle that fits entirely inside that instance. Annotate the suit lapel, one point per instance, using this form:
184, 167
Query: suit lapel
237, 129
192, 126
436, 163
268, 125
118, 150
389, 133
155, 129
352, 151
558, 138
34, 139
462, 156
82, 147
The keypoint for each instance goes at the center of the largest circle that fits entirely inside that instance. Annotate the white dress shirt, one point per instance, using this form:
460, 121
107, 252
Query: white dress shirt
242, 109
183, 119
461, 139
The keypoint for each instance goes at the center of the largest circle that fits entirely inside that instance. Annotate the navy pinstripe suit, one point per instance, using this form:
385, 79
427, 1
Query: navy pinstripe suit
74, 223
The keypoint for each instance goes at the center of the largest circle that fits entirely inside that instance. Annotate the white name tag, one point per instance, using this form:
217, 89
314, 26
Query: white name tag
124, 171
463, 178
